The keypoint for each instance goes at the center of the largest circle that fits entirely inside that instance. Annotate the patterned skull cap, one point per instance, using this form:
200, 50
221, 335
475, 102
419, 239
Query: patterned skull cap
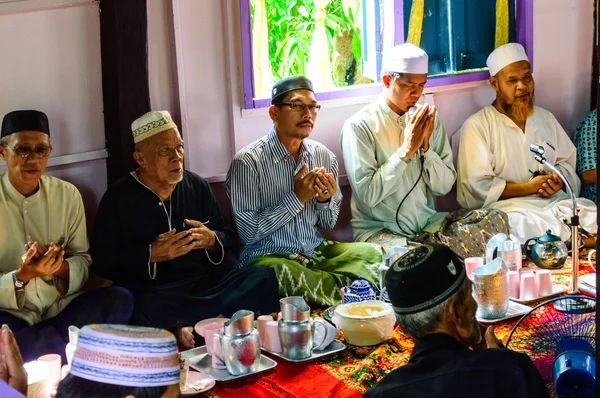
150, 124
124, 355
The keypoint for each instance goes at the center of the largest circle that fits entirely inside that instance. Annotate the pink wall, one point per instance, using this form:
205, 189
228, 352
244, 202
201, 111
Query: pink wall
51, 62
206, 84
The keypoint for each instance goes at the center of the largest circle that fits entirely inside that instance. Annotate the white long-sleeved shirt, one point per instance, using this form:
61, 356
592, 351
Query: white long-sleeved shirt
54, 213
380, 179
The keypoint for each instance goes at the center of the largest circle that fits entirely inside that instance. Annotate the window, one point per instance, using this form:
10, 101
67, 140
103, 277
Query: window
339, 43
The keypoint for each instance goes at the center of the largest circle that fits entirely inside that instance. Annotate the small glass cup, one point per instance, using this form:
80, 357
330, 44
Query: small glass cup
184, 370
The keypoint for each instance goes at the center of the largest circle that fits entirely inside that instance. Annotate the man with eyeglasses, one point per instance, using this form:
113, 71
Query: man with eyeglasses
44, 260
283, 188
160, 233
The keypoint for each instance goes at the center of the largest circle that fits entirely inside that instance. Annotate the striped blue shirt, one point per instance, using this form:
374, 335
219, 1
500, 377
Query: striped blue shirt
267, 213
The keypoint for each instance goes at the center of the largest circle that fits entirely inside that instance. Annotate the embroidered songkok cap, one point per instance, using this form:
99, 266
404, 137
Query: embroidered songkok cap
17, 121
126, 355
151, 123
505, 55
423, 278
284, 86
405, 58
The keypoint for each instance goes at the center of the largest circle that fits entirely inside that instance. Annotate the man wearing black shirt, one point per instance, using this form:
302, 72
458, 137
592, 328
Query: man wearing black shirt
160, 233
432, 299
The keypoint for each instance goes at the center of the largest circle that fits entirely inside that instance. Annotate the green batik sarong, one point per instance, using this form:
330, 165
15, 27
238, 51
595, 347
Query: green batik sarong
319, 278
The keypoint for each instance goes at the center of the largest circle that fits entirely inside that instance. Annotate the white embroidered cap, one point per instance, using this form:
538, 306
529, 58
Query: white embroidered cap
151, 123
505, 55
126, 355
405, 58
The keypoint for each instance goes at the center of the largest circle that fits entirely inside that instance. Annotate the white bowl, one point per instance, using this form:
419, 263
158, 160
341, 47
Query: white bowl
365, 323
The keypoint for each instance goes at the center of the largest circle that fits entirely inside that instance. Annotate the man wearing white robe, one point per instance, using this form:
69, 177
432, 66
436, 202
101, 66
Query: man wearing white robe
495, 166
394, 160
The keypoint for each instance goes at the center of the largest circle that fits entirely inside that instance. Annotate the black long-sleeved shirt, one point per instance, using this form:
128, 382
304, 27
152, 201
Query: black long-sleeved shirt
131, 216
440, 366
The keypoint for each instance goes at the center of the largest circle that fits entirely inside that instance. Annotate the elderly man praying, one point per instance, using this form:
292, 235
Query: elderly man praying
439, 313
283, 187
44, 260
160, 233
495, 166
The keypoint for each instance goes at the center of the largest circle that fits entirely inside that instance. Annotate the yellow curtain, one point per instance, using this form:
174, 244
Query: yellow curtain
263, 78
501, 23
415, 24
318, 67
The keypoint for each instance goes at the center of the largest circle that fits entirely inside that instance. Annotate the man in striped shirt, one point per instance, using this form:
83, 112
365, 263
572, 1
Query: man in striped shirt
282, 188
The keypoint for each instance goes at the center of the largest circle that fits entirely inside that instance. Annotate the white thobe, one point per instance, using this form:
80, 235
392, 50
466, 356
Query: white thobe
380, 179
494, 150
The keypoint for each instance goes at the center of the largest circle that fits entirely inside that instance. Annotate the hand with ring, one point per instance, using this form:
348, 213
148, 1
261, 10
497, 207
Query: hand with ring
325, 186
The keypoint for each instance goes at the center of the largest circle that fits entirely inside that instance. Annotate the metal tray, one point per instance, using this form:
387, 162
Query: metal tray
202, 362
332, 348
514, 310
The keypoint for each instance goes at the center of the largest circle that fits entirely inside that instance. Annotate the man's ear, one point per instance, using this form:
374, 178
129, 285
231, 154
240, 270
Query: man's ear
273, 113
139, 158
387, 80
2, 153
494, 83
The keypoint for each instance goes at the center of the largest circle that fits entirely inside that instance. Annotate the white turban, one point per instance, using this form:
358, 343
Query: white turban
505, 55
405, 58
151, 123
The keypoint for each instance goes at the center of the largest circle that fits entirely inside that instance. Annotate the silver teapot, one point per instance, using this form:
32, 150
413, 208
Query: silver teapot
295, 328
240, 344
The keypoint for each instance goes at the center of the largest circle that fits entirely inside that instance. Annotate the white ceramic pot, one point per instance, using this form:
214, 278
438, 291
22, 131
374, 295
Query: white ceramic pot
366, 323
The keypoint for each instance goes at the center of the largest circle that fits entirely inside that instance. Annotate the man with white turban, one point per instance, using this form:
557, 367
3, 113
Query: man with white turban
495, 166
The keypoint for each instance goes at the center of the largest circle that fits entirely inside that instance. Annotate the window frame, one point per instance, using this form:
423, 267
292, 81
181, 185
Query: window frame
524, 36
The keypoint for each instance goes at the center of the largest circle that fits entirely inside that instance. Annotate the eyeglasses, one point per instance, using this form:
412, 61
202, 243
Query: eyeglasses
27, 152
166, 151
300, 107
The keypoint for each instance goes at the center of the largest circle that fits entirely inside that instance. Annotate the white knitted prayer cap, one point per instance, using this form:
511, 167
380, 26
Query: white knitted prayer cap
505, 55
405, 58
151, 123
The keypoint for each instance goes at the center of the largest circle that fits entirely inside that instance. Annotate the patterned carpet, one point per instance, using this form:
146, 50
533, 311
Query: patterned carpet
348, 374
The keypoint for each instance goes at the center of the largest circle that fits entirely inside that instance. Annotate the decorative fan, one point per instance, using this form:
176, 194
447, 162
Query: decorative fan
559, 336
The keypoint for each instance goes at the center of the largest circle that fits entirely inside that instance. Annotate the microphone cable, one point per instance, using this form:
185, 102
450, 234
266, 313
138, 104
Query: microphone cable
422, 163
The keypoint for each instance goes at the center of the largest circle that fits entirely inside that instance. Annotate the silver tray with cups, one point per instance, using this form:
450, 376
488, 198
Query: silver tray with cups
202, 362
332, 348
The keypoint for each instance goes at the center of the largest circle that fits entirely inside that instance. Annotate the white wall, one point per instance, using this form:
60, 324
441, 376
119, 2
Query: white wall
51, 62
209, 77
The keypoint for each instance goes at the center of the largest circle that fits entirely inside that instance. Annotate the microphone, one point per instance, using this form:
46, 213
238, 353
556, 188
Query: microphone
537, 149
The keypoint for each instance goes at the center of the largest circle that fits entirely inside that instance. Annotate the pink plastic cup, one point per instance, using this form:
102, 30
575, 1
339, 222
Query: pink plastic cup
514, 283
279, 316
543, 279
53, 363
471, 263
261, 326
209, 330
272, 342
528, 288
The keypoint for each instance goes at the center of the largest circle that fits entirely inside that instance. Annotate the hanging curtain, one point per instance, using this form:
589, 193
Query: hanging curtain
501, 23
415, 24
263, 78
318, 68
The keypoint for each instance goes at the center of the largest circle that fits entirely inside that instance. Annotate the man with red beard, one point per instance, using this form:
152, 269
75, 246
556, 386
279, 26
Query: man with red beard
496, 168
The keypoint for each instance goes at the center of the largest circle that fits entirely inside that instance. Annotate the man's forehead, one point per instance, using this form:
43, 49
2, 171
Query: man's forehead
300, 95
516, 69
23, 137
166, 137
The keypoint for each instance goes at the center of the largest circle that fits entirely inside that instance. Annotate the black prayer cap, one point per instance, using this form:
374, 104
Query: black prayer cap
17, 121
288, 84
423, 278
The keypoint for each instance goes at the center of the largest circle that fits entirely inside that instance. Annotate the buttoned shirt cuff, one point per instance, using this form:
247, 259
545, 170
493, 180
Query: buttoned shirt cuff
9, 298
222, 251
430, 155
395, 161
292, 203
